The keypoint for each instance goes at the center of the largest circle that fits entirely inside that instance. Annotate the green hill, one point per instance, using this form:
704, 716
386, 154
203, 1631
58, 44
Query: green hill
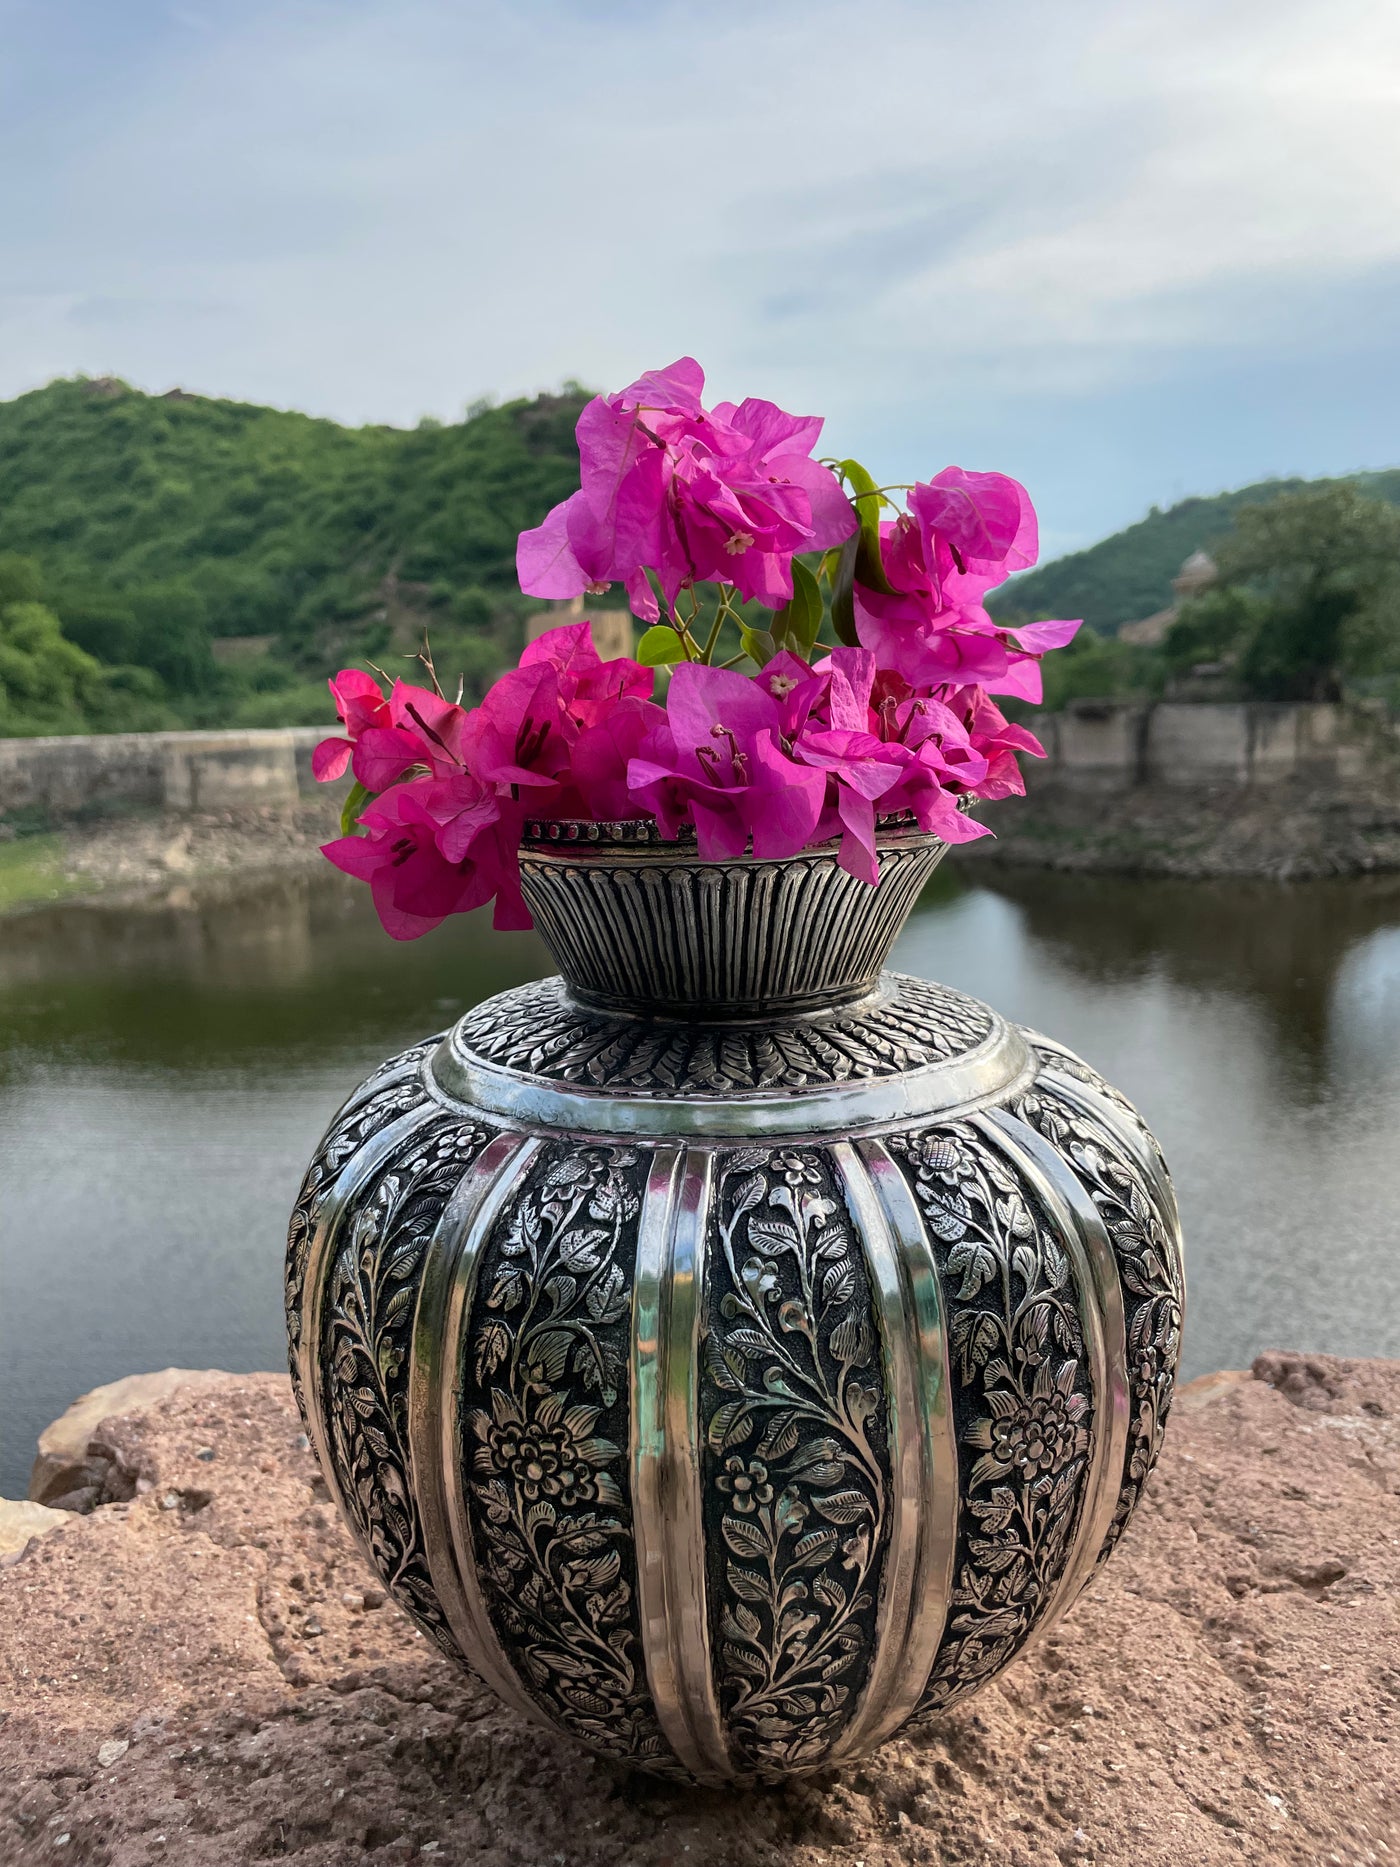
1129, 575
161, 526
180, 560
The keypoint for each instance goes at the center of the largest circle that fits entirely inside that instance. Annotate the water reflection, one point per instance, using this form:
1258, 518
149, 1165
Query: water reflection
1281, 947
299, 968
1259, 1031
164, 1076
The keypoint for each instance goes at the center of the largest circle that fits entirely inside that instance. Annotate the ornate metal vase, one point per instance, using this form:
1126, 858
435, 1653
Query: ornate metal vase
729, 1350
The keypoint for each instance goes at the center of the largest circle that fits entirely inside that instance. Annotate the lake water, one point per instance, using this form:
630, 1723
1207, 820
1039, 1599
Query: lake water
165, 1075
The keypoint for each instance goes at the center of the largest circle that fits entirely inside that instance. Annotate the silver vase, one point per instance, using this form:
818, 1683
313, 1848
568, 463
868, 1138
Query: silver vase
729, 1350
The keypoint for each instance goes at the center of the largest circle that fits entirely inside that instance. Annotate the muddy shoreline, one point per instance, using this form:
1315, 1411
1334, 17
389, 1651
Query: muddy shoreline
162, 858
1292, 831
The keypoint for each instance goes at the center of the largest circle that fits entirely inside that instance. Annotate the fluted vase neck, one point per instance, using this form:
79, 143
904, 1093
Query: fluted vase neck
648, 927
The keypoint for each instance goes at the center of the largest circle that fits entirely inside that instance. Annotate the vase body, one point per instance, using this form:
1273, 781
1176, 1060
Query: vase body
732, 1351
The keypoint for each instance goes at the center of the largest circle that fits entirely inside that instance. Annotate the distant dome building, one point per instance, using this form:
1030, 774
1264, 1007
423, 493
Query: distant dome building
1196, 575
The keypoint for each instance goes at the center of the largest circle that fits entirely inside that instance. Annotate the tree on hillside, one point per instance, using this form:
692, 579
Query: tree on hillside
50, 685
163, 525
1308, 596
45, 681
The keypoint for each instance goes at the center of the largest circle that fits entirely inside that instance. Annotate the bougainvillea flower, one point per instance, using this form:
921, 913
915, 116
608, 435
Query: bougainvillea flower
362, 707
588, 686
718, 761
798, 689
975, 524
601, 756
413, 883
438, 722
928, 647
861, 771
519, 736
933, 648
671, 496
729, 496
384, 754
996, 740
476, 825
745, 497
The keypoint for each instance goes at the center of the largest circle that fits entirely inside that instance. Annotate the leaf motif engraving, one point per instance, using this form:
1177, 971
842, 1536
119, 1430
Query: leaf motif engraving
371, 1289
1021, 1398
539, 1030
796, 1464
545, 1411
364, 1114
1148, 1265
346, 1136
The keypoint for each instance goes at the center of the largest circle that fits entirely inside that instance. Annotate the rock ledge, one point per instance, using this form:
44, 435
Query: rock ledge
203, 1673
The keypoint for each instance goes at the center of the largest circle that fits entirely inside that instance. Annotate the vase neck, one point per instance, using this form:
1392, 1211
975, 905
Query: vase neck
648, 929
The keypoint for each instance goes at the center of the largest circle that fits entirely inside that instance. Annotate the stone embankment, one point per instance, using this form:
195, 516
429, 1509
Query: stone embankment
199, 771
1294, 830
176, 860
159, 818
1276, 792
197, 1668
1200, 790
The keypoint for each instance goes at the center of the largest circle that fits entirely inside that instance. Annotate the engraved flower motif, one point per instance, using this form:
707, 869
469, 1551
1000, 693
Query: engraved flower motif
1037, 1436
745, 1484
940, 1159
1037, 1440
550, 1456
760, 1275
797, 1170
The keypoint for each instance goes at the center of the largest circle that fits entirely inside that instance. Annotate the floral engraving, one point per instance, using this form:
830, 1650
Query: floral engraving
540, 1030
546, 1421
796, 1465
407, 1062
351, 1128
371, 1291
1063, 1064
1021, 1398
1147, 1266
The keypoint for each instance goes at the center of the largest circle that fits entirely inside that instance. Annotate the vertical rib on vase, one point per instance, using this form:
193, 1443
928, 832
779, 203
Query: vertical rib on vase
732, 1351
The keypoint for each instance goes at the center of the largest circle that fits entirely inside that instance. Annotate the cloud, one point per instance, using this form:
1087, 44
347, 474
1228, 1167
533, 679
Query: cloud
926, 219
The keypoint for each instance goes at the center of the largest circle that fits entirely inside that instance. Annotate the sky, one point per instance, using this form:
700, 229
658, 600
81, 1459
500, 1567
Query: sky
1127, 253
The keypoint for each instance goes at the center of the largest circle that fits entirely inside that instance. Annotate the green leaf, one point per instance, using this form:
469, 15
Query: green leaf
357, 798
867, 502
759, 645
860, 560
798, 623
660, 647
843, 606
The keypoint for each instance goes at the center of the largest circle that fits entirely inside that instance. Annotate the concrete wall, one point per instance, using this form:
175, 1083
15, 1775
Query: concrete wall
1102, 744
177, 771
1095, 745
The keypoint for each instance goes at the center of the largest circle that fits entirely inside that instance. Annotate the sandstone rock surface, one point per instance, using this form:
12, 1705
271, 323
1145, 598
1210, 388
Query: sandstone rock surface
204, 1674
21, 1520
73, 1468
